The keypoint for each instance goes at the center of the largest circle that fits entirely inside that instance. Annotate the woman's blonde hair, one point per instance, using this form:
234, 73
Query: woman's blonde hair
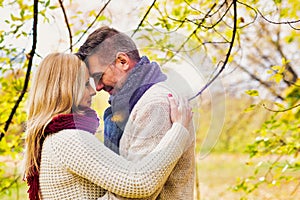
57, 88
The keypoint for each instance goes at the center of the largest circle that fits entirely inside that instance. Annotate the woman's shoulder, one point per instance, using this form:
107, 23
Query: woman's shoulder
70, 136
72, 140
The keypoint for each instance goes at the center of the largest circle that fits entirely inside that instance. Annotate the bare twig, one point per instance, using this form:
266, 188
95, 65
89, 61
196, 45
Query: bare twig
190, 36
283, 110
297, 29
256, 78
11, 184
288, 66
283, 22
207, 15
255, 14
145, 16
67, 23
228, 53
221, 18
193, 8
91, 25
30, 57
296, 188
290, 23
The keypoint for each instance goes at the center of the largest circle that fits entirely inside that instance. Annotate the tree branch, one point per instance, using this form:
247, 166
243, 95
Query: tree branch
284, 22
11, 184
207, 15
142, 21
272, 22
296, 188
283, 110
190, 36
266, 85
27, 77
91, 25
255, 14
67, 23
228, 53
288, 66
221, 18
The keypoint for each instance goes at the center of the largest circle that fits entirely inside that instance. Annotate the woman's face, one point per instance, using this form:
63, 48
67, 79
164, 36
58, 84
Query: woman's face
86, 100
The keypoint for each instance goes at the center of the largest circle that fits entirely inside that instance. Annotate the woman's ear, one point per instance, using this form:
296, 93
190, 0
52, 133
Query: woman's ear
123, 61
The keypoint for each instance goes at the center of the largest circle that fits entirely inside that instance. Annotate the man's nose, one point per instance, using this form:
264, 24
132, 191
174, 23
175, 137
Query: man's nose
99, 86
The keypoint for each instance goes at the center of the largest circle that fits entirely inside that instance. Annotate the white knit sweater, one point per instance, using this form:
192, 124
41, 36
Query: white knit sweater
148, 123
76, 165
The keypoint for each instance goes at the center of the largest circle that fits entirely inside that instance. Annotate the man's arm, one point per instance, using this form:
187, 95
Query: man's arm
147, 124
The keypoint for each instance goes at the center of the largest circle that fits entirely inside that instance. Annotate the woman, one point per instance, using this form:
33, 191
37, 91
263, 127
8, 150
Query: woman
64, 160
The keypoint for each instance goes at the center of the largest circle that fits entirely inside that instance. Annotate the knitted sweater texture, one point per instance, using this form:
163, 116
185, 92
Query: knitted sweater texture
147, 125
76, 165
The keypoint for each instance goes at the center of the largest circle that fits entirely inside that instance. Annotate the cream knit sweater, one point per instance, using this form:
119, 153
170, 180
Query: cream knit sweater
75, 165
149, 121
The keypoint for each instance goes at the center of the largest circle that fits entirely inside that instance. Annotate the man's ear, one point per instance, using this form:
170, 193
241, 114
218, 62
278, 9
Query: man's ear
123, 61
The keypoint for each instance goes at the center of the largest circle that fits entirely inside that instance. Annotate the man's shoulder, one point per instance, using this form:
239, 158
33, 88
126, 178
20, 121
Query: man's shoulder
156, 94
158, 90
161, 87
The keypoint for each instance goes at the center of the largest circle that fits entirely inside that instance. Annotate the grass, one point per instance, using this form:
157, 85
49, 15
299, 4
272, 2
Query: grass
218, 173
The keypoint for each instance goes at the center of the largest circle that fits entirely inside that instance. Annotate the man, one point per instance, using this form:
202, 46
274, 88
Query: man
139, 114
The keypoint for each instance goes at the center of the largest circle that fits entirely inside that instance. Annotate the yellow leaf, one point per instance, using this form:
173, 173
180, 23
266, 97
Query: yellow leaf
252, 92
284, 61
250, 108
278, 69
276, 77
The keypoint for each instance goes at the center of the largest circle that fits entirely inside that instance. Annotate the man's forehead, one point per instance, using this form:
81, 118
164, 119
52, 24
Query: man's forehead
94, 64
93, 59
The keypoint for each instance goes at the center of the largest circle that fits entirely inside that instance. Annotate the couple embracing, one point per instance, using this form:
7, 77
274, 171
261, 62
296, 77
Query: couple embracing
148, 132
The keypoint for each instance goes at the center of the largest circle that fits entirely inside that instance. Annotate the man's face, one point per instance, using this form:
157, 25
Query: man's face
106, 77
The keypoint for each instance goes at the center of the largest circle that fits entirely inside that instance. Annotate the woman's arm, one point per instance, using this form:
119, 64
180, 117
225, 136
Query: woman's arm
81, 153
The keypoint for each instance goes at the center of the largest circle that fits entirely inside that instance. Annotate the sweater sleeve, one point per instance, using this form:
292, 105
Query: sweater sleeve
84, 155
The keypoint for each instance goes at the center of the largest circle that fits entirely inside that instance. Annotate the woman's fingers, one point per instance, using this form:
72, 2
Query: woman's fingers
174, 108
185, 111
180, 112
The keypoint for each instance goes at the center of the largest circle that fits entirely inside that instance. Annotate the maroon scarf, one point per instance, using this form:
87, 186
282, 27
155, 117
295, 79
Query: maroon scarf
87, 122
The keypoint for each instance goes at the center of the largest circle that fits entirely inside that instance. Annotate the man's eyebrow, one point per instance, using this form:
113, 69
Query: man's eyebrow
96, 73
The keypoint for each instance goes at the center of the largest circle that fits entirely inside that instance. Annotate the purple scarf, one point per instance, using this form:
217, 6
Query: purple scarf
87, 122
144, 75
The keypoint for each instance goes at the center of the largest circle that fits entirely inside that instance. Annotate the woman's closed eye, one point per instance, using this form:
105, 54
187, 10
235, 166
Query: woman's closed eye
87, 84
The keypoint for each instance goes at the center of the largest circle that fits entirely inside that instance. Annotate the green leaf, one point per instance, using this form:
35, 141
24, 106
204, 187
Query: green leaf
250, 108
252, 93
52, 7
22, 13
47, 3
13, 18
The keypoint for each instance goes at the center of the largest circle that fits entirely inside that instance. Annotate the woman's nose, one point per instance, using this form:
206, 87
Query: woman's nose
92, 91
